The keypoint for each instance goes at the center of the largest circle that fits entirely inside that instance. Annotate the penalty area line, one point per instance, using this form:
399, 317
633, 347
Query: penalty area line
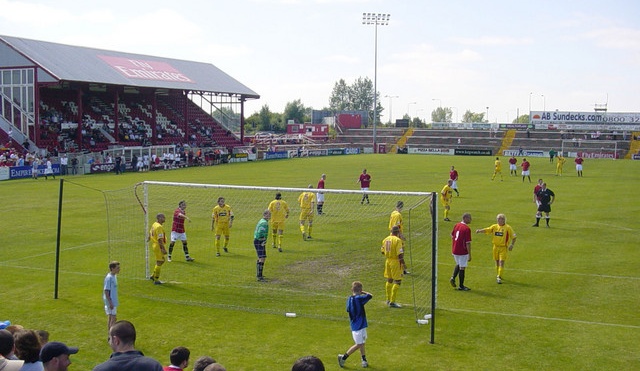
542, 318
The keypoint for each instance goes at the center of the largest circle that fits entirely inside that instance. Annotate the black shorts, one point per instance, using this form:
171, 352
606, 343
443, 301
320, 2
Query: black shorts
260, 248
544, 208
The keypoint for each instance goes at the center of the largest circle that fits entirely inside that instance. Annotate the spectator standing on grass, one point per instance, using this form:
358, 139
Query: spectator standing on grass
579, 162
365, 183
34, 167
546, 197
158, 240
461, 251
552, 154
308, 363
49, 170
178, 231
525, 169
307, 201
358, 321
446, 194
453, 175
27, 345
393, 266
279, 213
55, 356
503, 239
122, 339
497, 169
64, 162
222, 220
513, 170
179, 358
320, 194
110, 293
260, 235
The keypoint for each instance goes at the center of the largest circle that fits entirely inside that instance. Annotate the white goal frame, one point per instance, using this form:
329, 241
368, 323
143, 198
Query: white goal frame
570, 147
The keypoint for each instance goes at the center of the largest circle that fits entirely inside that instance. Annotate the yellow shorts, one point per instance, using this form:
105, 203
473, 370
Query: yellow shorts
306, 214
158, 253
277, 226
222, 229
393, 270
500, 253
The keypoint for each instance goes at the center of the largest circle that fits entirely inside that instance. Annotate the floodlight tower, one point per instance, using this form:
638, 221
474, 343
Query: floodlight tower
375, 19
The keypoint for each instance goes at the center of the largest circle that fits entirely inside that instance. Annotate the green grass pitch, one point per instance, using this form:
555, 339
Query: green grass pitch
569, 299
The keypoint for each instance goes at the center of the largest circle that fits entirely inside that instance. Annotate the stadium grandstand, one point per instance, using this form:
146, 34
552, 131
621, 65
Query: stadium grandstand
63, 98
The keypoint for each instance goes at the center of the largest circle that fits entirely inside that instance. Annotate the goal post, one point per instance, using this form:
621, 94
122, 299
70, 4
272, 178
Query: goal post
309, 277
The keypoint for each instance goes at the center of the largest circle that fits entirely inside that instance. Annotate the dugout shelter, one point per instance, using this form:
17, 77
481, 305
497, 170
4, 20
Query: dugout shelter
72, 98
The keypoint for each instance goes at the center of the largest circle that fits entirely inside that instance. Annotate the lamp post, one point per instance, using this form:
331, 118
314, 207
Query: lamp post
530, 103
375, 19
544, 103
487, 113
408, 106
390, 105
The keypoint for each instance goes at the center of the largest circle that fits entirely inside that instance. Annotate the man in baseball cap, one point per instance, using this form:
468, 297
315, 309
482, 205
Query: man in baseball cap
55, 356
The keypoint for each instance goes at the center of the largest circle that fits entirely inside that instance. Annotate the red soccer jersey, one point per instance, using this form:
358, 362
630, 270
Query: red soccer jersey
365, 180
178, 222
321, 184
513, 161
537, 189
578, 160
453, 175
525, 165
460, 236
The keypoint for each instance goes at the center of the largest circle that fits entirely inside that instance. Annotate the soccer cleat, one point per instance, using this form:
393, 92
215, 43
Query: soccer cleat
279, 249
394, 305
464, 288
365, 364
304, 236
499, 280
447, 219
388, 302
217, 254
261, 279
535, 225
225, 249
340, 361
190, 259
406, 272
309, 237
274, 245
169, 259
157, 282
452, 281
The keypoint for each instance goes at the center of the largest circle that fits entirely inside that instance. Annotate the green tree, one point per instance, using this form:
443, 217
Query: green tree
296, 111
357, 96
269, 121
522, 119
441, 114
472, 117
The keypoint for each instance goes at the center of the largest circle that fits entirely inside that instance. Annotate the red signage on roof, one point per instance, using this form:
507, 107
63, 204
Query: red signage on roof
146, 70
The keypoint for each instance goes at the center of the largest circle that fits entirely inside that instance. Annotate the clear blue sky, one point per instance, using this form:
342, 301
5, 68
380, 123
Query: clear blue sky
502, 54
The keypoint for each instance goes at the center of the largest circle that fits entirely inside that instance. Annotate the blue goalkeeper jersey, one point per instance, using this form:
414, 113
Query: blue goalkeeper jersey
357, 314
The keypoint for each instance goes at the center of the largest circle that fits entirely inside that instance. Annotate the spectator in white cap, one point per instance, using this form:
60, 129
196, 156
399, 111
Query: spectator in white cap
55, 356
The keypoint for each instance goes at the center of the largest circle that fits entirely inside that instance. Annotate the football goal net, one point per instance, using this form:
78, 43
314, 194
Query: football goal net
591, 148
310, 277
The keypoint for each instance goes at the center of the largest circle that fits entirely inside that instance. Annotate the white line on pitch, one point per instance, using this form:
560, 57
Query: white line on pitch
542, 318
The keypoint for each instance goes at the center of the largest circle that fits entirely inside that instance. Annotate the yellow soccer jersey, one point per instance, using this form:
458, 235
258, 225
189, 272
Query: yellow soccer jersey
223, 214
392, 247
446, 194
395, 219
306, 200
156, 235
279, 210
498, 165
502, 235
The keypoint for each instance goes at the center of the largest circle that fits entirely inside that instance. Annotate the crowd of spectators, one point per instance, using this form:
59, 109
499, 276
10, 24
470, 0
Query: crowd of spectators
24, 349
